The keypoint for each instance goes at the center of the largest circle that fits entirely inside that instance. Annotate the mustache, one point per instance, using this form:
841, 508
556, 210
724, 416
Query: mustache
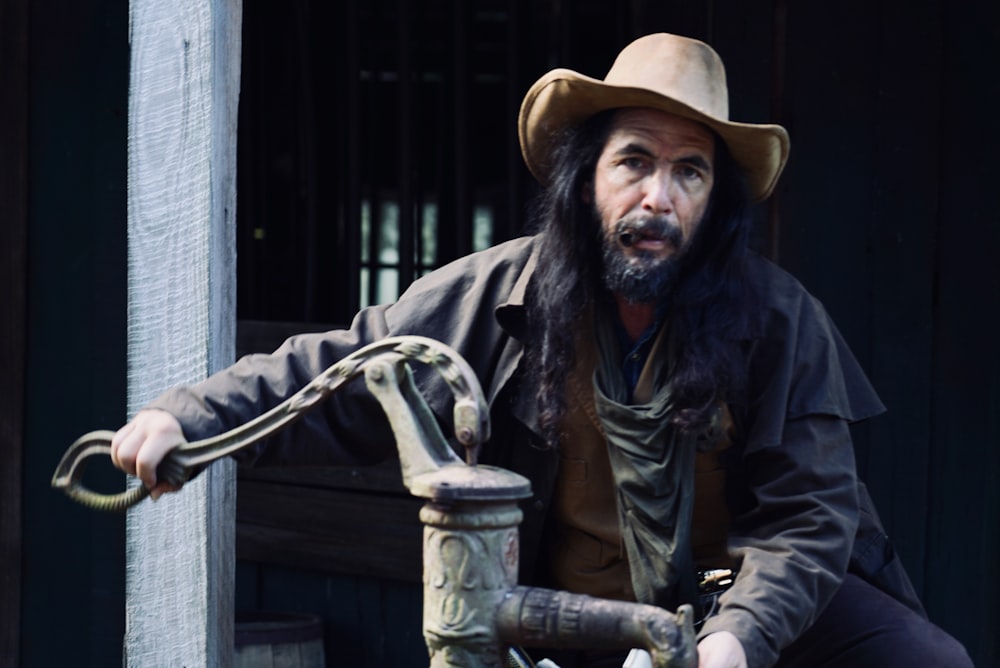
631, 230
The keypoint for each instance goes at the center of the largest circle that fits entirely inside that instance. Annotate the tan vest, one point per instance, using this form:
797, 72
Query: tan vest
584, 546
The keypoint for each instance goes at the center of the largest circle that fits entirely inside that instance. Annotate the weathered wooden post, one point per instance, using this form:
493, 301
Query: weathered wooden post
184, 88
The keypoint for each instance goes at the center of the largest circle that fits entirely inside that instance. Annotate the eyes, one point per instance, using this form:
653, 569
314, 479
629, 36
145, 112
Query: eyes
636, 164
690, 173
687, 170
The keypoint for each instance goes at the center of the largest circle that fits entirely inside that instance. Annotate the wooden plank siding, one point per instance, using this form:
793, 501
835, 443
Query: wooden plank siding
13, 306
72, 560
831, 109
963, 524
356, 521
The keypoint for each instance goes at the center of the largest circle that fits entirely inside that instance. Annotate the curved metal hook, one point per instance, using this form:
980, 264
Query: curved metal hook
471, 418
70, 471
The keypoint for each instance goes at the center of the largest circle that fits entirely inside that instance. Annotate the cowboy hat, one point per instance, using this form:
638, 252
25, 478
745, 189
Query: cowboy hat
674, 74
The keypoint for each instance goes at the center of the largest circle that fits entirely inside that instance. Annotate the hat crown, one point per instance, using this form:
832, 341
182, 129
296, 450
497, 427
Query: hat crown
680, 68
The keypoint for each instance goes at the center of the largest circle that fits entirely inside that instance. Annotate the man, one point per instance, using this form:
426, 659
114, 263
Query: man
679, 404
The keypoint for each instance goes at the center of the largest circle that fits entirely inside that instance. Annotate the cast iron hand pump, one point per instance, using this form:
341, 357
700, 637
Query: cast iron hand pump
473, 608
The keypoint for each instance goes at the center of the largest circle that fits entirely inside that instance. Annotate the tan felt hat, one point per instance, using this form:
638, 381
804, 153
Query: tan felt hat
668, 72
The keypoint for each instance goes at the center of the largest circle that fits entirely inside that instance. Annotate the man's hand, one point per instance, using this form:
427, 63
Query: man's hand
721, 650
140, 446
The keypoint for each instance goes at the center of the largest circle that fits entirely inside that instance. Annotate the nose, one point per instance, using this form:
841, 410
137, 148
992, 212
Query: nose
658, 193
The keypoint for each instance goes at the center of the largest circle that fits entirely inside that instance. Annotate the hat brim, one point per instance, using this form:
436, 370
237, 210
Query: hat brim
563, 98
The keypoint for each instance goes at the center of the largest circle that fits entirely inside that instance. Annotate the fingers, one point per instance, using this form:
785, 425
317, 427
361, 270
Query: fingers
721, 649
160, 489
140, 446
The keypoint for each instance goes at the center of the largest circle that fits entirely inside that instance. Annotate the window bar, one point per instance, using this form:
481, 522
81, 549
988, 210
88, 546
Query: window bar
352, 236
461, 57
407, 228
305, 122
514, 221
374, 195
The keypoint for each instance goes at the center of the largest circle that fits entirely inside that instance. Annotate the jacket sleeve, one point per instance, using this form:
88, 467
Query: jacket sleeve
793, 484
348, 427
454, 304
793, 542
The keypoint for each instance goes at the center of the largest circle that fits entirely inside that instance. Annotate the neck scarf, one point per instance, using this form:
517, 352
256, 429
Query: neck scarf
653, 464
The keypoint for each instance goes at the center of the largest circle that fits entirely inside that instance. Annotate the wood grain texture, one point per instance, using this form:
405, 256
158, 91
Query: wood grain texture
356, 529
13, 303
184, 88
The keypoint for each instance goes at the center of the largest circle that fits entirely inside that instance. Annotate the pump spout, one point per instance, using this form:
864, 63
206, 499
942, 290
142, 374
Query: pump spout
534, 617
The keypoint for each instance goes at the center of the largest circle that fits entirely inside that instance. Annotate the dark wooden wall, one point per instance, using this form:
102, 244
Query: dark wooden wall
886, 212
901, 247
13, 304
62, 213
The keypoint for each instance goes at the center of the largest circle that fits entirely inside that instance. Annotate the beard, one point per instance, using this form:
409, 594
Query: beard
641, 276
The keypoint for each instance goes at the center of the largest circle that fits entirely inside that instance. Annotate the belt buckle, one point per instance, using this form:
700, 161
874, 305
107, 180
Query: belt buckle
712, 583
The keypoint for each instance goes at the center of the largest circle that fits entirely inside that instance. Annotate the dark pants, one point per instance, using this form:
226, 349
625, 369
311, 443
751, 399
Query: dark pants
861, 628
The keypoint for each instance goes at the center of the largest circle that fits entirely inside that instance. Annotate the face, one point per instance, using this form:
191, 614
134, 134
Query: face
651, 188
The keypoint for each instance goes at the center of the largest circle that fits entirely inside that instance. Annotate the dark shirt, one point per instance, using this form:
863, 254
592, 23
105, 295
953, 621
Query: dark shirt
636, 353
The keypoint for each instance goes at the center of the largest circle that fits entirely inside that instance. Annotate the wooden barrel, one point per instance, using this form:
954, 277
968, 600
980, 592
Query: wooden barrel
271, 639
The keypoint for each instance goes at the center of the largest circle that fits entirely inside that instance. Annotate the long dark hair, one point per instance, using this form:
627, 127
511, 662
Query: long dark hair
706, 306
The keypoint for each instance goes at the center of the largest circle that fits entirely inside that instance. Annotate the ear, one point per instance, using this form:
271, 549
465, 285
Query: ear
587, 192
